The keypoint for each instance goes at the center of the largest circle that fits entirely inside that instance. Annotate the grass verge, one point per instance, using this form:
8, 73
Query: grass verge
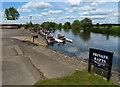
77, 78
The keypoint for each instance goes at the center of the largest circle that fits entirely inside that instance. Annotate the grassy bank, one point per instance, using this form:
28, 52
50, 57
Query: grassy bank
114, 30
77, 78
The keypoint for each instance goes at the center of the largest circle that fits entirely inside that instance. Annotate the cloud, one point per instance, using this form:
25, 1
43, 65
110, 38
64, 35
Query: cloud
23, 10
51, 19
52, 12
73, 2
97, 12
44, 14
116, 14
98, 17
101, 12
85, 8
95, 17
1, 14
67, 17
66, 8
94, 4
40, 6
55, 12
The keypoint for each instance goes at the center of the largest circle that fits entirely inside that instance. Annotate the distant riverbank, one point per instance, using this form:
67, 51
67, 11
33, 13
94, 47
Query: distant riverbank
113, 31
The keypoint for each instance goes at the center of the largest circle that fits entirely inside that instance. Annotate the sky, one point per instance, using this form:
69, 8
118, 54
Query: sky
61, 12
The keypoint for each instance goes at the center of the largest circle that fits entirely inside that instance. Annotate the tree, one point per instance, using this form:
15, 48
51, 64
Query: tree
60, 25
86, 23
36, 26
97, 25
11, 13
76, 24
67, 25
28, 25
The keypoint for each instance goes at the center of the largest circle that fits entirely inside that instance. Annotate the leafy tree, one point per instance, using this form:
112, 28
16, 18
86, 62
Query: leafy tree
46, 25
97, 25
86, 23
36, 26
60, 25
76, 24
11, 13
29, 25
67, 25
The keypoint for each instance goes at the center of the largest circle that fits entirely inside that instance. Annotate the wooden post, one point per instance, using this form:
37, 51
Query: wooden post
33, 39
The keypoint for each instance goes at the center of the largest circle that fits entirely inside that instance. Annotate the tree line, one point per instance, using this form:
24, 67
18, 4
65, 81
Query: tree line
85, 24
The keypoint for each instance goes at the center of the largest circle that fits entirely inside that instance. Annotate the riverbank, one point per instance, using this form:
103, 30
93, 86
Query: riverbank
74, 62
113, 31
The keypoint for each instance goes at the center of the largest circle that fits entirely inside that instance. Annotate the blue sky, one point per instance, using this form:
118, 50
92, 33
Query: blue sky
61, 12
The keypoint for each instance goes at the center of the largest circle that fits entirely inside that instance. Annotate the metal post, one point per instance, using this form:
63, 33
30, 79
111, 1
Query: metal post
30, 18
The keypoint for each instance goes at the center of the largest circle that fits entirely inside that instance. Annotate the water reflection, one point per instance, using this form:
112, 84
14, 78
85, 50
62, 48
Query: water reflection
75, 32
66, 30
83, 40
107, 37
85, 35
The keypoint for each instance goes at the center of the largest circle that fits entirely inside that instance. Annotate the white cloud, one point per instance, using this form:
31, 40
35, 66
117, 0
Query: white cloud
66, 8
52, 12
95, 17
98, 17
35, 6
1, 14
24, 10
85, 8
55, 12
67, 17
50, 19
44, 14
94, 4
101, 12
73, 2
84, 13
97, 12
116, 14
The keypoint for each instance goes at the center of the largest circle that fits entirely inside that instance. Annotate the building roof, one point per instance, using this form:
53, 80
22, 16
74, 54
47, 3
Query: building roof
9, 22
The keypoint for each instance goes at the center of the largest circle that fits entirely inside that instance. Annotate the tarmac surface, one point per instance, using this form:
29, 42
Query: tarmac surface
23, 65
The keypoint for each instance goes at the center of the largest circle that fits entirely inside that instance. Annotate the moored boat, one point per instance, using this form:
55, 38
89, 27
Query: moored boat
62, 37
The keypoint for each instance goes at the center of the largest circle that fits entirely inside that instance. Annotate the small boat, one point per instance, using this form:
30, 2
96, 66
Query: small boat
68, 40
50, 38
61, 37
58, 40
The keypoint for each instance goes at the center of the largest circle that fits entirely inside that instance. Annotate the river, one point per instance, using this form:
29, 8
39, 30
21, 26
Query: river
82, 41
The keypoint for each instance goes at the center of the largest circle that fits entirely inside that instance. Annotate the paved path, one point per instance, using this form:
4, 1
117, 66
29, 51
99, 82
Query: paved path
29, 66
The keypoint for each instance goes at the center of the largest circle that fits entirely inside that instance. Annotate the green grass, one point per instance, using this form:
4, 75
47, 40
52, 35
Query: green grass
77, 78
114, 30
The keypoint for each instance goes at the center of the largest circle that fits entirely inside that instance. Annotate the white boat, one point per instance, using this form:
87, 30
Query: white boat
58, 40
69, 40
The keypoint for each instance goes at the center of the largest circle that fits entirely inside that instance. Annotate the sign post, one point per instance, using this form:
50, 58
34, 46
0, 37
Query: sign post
101, 59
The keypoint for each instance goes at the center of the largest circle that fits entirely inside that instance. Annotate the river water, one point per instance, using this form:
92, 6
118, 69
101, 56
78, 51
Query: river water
82, 41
